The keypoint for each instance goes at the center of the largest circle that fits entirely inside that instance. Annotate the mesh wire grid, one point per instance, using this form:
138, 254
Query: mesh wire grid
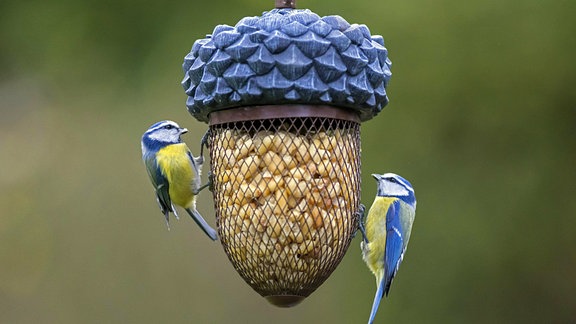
285, 192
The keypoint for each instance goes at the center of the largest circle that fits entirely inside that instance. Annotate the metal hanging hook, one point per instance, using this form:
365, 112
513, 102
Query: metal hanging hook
285, 4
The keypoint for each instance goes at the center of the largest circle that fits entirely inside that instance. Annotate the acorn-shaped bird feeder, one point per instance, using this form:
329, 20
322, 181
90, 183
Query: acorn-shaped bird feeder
284, 95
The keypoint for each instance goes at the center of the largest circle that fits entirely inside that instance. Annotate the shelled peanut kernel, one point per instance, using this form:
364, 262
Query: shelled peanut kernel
286, 199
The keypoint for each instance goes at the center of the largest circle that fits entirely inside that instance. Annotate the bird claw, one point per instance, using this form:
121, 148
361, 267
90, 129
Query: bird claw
204, 143
197, 190
210, 183
361, 214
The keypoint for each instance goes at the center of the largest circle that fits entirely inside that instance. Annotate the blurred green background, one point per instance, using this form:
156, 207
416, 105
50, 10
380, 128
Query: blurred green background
482, 120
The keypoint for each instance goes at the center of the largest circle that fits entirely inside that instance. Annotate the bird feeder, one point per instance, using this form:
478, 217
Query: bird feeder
284, 95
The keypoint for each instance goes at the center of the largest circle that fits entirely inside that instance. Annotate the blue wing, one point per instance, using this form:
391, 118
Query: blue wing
395, 244
160, 185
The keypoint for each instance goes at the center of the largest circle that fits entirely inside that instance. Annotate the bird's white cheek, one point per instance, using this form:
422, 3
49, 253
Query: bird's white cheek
164, 136
394, 189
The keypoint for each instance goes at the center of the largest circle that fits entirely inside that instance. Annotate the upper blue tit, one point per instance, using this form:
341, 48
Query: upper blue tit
387, 231
174, 172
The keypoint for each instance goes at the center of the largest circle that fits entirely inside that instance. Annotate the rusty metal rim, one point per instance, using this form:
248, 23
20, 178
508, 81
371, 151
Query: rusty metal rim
281, 111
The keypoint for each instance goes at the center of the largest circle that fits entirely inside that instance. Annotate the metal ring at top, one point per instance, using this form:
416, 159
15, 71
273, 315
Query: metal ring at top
281, 111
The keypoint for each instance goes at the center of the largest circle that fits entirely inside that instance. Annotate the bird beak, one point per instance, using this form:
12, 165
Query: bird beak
376, 176
183, 130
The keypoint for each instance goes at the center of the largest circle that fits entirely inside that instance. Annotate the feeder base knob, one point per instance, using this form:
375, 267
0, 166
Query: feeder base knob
285, 300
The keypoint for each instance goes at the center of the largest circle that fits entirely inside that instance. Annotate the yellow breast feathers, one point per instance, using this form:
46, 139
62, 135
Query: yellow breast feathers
376, 234
176, 166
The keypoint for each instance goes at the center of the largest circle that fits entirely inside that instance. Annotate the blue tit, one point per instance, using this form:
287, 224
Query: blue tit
386, 231
174, 172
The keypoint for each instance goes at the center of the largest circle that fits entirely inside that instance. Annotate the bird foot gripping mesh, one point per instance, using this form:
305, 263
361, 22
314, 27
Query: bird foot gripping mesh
286, 192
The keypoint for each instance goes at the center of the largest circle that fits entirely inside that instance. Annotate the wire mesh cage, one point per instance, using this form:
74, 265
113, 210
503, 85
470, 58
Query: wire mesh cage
286, 192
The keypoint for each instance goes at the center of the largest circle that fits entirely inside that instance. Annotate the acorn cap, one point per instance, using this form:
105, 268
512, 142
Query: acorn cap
287, 56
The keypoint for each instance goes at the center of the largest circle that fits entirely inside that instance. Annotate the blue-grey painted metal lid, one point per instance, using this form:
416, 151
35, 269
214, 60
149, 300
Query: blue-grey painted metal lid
287, 56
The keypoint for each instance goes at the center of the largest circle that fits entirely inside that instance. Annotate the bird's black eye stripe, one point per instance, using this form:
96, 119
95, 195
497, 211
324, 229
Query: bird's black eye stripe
168, 126
393, 180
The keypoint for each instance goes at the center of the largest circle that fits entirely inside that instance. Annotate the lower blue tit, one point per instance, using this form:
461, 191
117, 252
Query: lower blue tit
174, 172
386, 231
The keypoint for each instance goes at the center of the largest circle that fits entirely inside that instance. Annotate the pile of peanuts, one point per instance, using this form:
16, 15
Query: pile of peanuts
286, 201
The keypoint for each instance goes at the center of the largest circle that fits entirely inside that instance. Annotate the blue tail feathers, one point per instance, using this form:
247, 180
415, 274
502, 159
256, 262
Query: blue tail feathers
377, 299
203, 224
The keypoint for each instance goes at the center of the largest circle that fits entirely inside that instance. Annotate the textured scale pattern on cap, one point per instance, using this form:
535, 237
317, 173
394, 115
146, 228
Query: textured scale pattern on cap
287, 56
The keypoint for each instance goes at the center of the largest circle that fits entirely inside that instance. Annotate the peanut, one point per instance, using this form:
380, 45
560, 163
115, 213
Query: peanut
285, 199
